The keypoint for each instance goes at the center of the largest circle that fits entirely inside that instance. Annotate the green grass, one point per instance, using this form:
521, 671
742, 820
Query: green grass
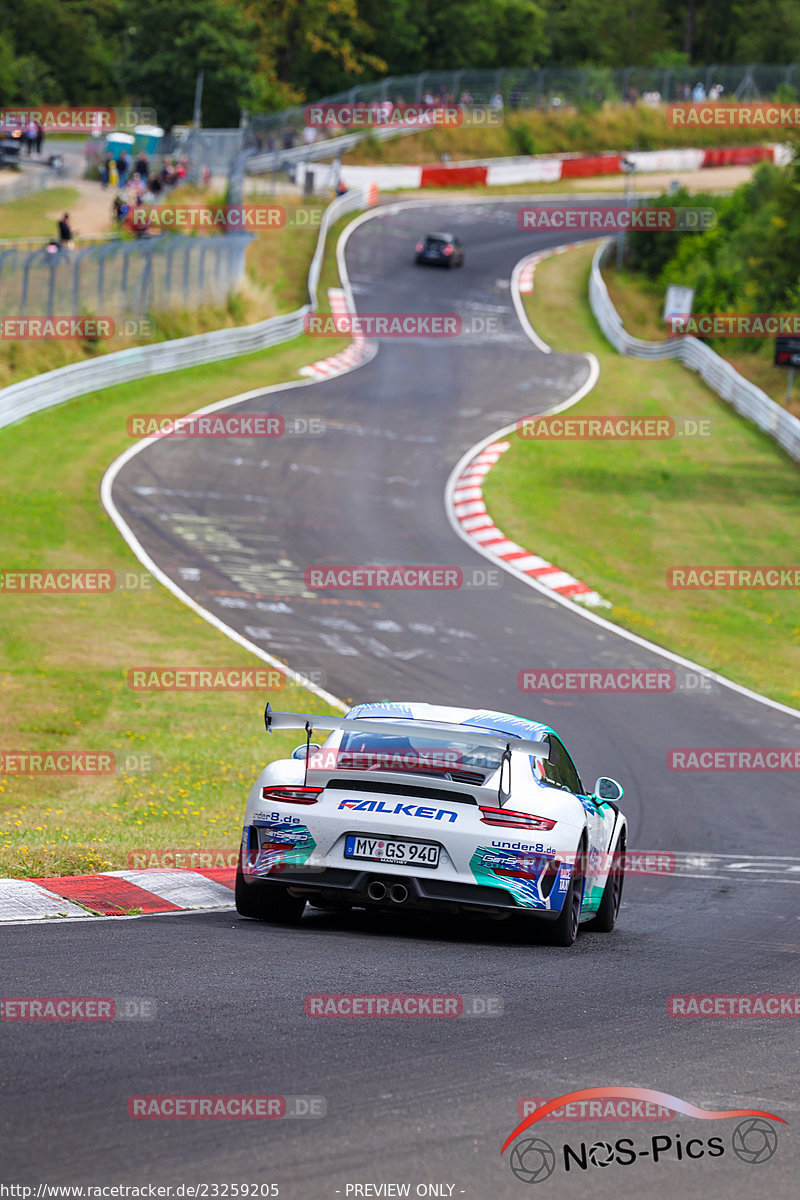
63, 679
32, 216
614, 127
619, 514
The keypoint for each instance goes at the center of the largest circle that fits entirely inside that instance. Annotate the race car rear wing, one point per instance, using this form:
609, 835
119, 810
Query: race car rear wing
437, 730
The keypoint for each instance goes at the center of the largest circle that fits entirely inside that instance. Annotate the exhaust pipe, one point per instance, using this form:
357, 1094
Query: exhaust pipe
376, 890
398, 893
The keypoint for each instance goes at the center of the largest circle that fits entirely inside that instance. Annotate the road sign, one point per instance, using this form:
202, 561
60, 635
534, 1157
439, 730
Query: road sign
677, 304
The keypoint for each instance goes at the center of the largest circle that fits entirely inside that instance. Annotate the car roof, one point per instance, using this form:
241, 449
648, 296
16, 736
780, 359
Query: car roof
479, 718
446, 237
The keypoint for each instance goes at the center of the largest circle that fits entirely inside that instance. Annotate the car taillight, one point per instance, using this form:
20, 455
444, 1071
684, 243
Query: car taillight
506, 818
447, 250
420, 247
292, 795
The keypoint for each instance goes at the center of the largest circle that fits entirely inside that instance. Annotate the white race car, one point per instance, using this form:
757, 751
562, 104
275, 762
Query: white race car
421, 806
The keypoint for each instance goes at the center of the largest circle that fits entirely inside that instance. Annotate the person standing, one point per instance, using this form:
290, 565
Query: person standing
65, 235
39, 137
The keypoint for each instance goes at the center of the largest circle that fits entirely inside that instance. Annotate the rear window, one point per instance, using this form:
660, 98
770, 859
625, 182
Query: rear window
417, 753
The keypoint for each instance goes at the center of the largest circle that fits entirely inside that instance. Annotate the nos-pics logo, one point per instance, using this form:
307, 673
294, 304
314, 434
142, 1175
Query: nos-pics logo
533, 1159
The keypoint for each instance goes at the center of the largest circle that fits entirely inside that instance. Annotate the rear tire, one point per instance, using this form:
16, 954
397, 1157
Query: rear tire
564, 930
267, 902
606, 916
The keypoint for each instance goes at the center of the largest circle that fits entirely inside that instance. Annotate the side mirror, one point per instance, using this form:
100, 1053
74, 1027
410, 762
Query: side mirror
608, 790
300, 751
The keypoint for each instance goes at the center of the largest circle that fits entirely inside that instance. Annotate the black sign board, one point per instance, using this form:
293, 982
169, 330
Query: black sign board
787, 351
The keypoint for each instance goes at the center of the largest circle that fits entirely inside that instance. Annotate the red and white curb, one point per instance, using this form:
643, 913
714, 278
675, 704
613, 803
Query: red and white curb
465, 504
469, 509
355, 355
527, 268
116, 894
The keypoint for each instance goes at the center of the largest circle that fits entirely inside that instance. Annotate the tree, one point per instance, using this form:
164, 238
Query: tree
65, 48
318, 46
171, 40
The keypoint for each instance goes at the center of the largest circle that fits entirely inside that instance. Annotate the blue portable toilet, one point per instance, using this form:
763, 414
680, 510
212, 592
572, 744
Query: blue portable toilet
117, 142
147, 138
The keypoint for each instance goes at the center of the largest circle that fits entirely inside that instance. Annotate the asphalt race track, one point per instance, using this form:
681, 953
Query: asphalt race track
417, 1101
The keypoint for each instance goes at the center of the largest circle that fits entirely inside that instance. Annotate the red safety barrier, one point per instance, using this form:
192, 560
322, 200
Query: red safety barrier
590, 164
452, 176
737, 156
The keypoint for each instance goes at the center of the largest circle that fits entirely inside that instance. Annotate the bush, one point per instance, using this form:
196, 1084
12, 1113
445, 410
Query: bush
749, 263
652, 251
521, 137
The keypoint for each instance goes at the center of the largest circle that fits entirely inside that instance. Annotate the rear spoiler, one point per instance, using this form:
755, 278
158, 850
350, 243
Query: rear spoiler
437, 730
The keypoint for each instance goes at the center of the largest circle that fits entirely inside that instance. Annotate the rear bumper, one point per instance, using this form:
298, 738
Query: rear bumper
350, 887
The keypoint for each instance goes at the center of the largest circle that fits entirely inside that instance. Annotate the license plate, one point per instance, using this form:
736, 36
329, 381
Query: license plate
390, 850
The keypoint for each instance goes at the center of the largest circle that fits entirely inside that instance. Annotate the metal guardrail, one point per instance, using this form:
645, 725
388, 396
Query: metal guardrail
40, 392
280, 159
748, 400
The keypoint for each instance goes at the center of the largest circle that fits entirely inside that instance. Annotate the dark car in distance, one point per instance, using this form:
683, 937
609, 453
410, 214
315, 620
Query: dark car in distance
10, 142
443, 249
